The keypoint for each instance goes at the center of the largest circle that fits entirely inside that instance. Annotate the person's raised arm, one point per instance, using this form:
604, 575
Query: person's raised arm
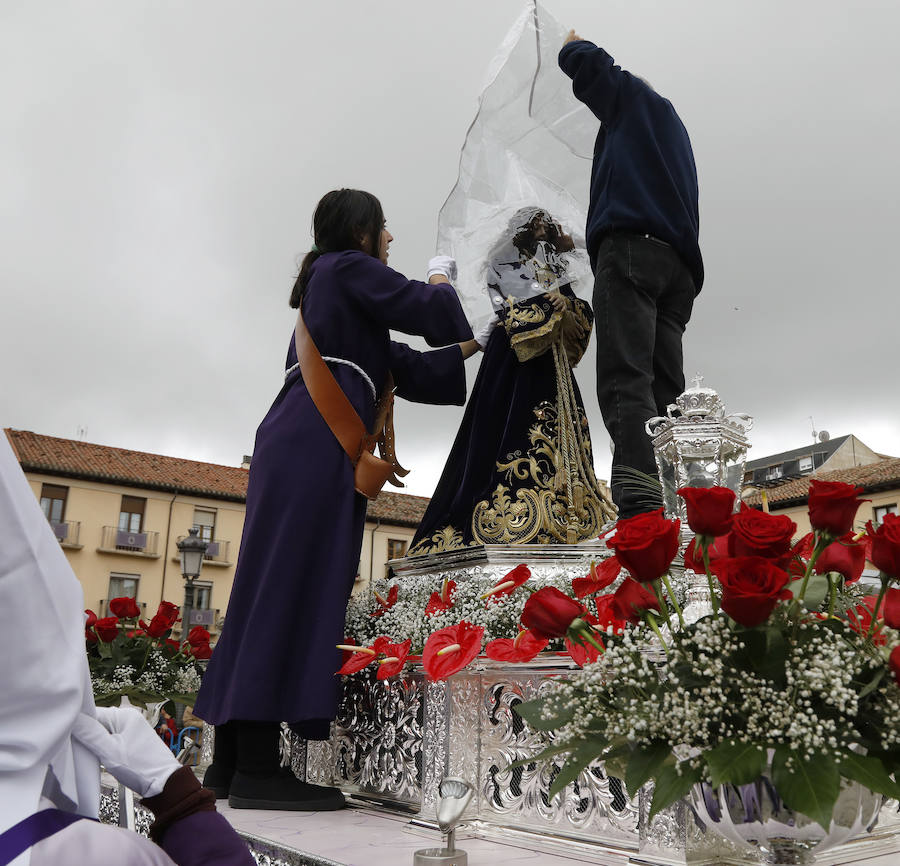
596, 80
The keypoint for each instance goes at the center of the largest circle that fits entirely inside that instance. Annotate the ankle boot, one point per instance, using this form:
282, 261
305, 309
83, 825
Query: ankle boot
260, 782
219, 773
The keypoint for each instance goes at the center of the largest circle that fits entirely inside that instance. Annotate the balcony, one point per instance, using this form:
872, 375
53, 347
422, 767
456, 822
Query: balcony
67, 532
115, 540
216, 552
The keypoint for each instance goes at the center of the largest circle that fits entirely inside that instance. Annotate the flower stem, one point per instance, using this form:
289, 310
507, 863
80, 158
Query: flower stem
665, 578
589, 637
832, 595
820, 543
652, 620
663, 607
713, 598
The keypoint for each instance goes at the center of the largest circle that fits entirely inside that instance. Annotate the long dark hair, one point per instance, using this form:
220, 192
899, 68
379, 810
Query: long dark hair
344, 220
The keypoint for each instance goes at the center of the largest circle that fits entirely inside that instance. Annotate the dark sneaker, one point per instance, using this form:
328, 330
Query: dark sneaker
218, 779
282, 792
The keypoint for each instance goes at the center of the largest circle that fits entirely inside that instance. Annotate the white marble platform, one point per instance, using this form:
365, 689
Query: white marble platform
358, 837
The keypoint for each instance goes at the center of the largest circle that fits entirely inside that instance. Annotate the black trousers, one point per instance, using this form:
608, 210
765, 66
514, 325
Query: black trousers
643, 298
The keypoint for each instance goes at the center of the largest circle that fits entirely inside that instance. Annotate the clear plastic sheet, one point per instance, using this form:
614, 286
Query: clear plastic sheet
530, 145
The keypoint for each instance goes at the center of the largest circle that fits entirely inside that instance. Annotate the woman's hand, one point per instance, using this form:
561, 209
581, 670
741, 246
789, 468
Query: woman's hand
558, 301
442, 267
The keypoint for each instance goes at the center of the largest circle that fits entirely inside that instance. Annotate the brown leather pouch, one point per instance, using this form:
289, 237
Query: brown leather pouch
371, 473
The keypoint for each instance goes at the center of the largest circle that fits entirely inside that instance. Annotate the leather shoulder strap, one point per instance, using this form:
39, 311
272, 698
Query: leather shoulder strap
330, 400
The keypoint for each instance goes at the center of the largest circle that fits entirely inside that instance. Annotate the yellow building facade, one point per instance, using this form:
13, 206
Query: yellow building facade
118, 515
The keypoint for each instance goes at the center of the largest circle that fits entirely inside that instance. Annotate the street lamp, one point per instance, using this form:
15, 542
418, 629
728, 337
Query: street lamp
192, 548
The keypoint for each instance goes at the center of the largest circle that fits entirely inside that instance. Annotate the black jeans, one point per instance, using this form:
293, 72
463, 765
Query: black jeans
643, 297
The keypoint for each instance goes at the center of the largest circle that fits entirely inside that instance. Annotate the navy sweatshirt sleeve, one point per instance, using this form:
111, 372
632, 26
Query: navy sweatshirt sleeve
596, 80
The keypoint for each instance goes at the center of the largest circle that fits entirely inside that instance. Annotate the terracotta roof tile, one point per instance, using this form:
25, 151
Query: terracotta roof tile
75, 459
874, 476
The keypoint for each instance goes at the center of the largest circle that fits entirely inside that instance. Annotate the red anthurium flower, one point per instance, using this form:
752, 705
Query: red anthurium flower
646, 544
107, 628
450, 649
442, 600
751, 587
845, 556
607, 618
885, 544
891, 608
395, 655
859, 619
894, 662
693, 556
359, 658
551, 613
599, 577
124, 608
709, 509
755, 533
833, 505
631, 601
509, 582
385, 604
523, 648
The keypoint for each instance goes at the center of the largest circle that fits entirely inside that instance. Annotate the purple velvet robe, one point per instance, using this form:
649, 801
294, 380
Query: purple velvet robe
276, 658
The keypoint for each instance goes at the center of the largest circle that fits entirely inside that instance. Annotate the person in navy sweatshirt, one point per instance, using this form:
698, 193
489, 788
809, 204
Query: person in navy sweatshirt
642, 237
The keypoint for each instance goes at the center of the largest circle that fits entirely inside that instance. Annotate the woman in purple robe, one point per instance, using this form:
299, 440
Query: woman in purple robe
276, 658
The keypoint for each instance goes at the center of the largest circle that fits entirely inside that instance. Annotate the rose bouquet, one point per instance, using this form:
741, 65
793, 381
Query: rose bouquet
792, 675
131, 658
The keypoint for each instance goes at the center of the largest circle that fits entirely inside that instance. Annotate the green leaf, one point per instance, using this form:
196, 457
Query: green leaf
671, 786
541, 716
104, 650
643, 764
816, 590
735, 763
810, 787
873, 683
581, 757
766, 652
869, 772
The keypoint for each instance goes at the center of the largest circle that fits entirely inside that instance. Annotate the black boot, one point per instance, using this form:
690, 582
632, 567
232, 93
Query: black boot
261, 783
219, 773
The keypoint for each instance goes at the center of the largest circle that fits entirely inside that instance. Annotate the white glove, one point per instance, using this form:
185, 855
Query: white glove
442, 265
484, 334
128, 748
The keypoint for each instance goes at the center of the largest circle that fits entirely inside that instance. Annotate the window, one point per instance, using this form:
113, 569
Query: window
53, 502
806, 464
123, 585
396, 548
205, 523
773, 472
880, 510
202, 596
131, 514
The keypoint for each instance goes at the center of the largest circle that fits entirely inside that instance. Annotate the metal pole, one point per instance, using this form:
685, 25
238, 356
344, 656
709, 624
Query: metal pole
187, 607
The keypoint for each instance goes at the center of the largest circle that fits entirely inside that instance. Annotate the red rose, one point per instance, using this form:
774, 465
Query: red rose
599, 577
832, 506
201, 651
549, 612
450, 649
523, 648
385, 604
755, 533
167, 613
751, 587
631, 600
442, 600
891, 608
395, 655
509, 582
198, 635
894, 662
107, 628
90, 618
885, 554
646, 544
709, 509
845, 556
157, 627
124, 608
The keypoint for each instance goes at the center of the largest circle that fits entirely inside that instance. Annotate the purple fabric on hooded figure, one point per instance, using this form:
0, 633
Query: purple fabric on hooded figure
276, 658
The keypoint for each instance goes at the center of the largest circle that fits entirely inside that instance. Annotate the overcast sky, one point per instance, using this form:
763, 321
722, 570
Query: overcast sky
160, 163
